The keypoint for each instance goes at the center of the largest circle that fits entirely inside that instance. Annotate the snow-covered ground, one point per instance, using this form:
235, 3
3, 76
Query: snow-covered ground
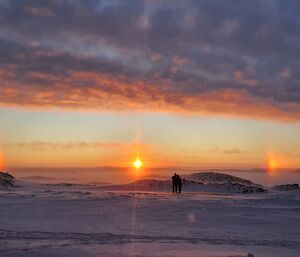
90, 220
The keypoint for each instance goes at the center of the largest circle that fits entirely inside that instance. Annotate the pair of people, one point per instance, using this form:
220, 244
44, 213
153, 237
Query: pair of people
176, 183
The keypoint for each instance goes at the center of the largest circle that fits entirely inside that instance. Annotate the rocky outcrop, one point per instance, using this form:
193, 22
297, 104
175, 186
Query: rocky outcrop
6, 180
286, 187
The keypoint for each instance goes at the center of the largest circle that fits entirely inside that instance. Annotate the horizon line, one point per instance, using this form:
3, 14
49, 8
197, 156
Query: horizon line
165, 168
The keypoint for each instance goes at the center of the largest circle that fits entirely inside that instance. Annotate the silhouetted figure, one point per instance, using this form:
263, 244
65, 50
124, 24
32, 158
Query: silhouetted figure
179, 183
174, 183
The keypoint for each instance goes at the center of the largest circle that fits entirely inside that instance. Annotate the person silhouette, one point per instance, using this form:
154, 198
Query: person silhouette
179, 183
174, 183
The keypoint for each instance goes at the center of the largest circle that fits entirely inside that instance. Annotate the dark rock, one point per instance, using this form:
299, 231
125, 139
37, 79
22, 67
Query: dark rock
286, 187
6, 180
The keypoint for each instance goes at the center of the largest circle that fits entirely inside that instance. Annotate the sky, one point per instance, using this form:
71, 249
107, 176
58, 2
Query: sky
176, 83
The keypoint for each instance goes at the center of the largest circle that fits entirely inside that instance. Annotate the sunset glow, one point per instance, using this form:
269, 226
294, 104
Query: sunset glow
149, 128
160, 84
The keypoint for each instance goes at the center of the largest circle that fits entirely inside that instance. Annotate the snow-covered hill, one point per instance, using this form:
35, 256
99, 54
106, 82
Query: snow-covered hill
197, 182
217, 178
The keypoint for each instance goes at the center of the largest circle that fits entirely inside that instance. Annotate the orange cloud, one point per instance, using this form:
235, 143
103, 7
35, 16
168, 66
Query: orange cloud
102, 92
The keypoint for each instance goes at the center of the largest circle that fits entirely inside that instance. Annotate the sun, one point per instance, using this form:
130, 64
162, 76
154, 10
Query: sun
137, 163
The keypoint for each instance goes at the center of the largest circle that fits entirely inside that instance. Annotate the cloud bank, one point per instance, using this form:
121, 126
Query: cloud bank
187, 57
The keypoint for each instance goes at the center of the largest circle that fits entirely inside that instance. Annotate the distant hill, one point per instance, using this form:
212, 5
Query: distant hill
197, 182
218, 178
286, 187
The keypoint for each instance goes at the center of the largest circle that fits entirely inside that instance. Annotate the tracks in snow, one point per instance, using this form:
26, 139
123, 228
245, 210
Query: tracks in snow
73, 238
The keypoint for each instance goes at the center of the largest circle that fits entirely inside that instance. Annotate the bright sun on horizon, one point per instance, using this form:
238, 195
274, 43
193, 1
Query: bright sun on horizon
137, 163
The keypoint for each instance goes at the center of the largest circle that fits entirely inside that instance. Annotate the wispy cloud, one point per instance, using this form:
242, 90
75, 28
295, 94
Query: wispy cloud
58, 146
227, 151
233, 151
